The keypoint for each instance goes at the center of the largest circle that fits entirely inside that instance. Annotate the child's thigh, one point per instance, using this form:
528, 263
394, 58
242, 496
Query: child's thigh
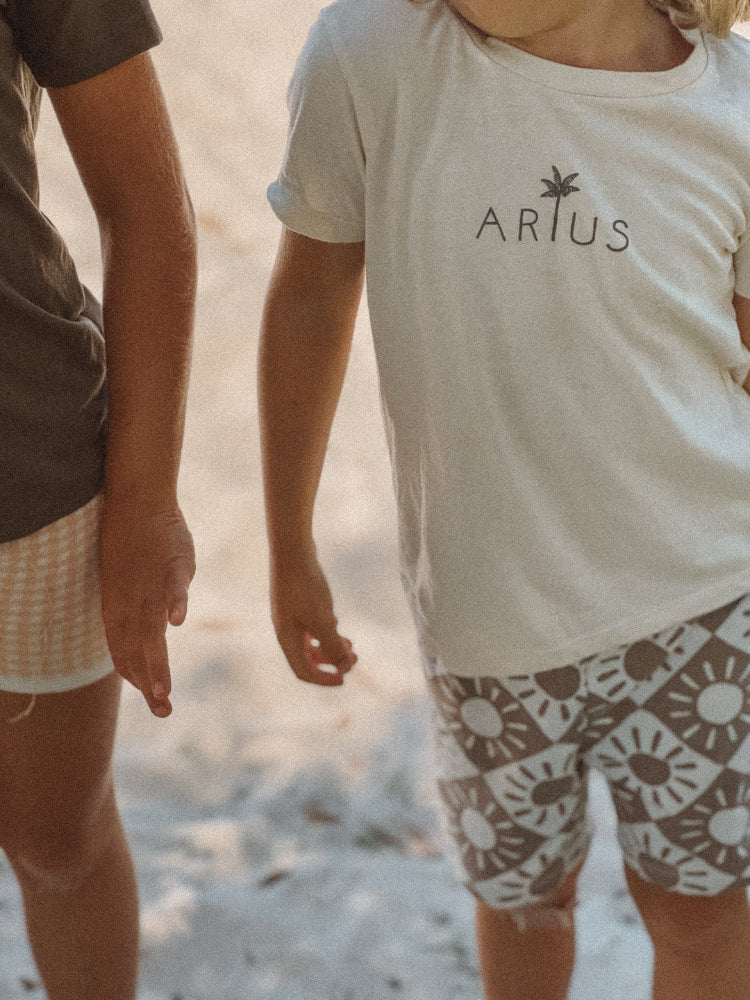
676, 753
512, 782
55, 776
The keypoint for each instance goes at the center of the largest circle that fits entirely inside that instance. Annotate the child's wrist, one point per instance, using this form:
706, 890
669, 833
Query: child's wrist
140, 494
292, 550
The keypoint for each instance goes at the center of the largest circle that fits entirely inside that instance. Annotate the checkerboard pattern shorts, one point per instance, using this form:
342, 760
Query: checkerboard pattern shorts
51, 629
666, 720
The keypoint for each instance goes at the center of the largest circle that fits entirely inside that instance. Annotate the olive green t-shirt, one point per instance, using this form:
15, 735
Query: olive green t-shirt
52, 358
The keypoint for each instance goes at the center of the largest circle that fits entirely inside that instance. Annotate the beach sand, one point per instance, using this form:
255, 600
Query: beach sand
285, 836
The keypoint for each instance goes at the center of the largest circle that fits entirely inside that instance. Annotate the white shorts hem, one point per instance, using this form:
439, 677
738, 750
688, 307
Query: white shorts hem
56, 684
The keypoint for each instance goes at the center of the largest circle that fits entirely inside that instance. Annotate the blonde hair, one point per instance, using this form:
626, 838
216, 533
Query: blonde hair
714, 16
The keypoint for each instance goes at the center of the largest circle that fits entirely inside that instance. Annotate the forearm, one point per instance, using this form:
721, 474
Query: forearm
149, 294
300, 381
118, 130
305, 341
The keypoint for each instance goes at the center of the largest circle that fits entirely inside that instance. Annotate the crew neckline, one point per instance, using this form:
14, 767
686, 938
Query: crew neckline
595, 82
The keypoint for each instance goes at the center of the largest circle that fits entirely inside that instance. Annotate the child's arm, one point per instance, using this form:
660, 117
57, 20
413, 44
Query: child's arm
118, 131
742, 311
307, 328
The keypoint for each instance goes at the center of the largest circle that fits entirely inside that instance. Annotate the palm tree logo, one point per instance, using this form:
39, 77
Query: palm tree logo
559, 188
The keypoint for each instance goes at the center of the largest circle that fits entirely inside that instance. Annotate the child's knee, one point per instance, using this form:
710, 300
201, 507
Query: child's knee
693, 923
553, 911
60, 855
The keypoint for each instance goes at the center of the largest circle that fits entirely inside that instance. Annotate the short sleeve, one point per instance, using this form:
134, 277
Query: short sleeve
320, 190
67, 41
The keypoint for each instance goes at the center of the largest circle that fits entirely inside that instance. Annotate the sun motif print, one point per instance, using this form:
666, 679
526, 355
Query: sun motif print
666, 720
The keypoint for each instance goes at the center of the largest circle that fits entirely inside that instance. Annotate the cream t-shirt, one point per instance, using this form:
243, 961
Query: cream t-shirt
551, 258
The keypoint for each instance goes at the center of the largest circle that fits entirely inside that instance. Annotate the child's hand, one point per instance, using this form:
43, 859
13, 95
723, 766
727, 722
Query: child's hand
302, 612
147, 563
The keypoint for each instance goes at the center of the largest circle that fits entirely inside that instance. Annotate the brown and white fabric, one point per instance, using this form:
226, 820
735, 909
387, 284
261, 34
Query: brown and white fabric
51, 629
666, 720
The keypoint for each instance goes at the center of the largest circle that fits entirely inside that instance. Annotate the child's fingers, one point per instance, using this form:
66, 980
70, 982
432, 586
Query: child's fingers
334, 650
296, 642
156, 660
130, 664
178, 608
138, 650
123, 669
122, 652
177, 591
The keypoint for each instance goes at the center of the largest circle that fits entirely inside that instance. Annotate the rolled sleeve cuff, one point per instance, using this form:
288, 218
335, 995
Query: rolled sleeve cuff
296, 214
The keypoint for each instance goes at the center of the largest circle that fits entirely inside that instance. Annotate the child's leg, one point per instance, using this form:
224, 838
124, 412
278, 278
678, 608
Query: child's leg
523, 958
60, 828
514, 794
673, 740
701, 944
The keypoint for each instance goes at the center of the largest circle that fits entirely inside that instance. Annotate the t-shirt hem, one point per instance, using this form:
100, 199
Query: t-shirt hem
661, 619
21, 526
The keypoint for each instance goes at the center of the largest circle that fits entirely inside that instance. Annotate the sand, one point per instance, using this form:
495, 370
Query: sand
285, 836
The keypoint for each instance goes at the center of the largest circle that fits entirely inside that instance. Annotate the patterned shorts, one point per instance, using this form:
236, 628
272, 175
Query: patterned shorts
51, 629
666, 720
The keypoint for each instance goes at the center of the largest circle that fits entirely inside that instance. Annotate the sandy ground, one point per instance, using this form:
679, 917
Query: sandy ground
284, 836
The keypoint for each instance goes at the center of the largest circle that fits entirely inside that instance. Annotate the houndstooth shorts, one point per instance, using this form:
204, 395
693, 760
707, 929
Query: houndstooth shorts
51, 629
666, 720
